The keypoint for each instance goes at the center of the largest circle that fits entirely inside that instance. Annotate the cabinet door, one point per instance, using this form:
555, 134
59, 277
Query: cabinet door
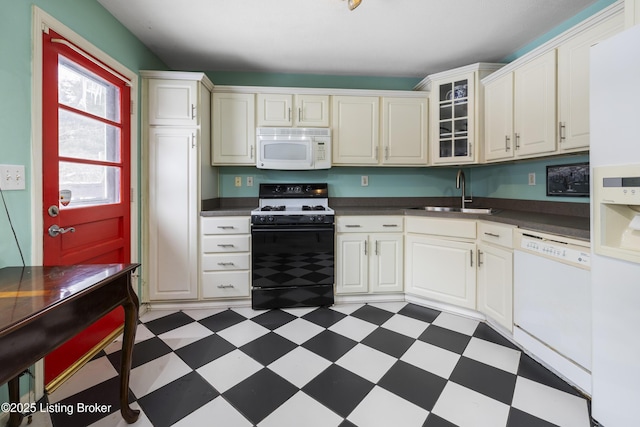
535, 106
274, 109
453, 113
173, 213
632, 13
312, 110
173, 102
352, 266
233, 129
498, 118
404, 131
442, 270
355, 123
387, 262
573, 84
495, 284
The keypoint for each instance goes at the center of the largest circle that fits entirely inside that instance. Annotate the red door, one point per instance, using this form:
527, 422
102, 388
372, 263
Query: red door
86, 177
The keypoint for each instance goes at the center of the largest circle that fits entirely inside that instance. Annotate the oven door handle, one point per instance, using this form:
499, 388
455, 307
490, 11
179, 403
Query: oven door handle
296, 229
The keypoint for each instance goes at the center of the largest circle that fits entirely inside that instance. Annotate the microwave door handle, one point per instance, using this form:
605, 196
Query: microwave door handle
312, 154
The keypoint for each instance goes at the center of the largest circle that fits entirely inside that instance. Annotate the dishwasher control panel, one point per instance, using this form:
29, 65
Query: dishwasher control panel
555, 249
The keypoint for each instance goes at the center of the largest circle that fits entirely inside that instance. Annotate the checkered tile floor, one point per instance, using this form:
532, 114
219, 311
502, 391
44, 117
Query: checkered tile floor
387, 364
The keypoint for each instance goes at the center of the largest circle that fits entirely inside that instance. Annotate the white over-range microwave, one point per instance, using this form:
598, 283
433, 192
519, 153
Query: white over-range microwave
293, 148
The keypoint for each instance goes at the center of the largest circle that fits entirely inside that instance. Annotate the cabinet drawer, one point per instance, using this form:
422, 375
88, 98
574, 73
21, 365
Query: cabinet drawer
223, 284
225, 225
369, 224
454, 228
232, 243
221, 262
496, 233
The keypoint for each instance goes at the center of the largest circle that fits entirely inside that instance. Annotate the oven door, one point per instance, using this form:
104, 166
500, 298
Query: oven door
292, 256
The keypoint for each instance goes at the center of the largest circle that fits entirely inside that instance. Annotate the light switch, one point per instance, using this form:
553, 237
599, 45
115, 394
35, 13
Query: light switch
12, 177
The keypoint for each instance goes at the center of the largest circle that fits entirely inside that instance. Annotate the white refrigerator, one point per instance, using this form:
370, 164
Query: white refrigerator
615, 140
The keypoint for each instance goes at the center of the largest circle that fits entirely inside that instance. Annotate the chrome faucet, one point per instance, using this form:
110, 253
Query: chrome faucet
460, 183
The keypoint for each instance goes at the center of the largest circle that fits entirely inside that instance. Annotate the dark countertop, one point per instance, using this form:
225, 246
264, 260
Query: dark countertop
568, 220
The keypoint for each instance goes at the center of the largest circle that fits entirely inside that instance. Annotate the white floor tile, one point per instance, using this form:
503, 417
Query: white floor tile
392, 306
299, 330
381, 408
299, 311
247, 312
460, 324
299, 366
157, 373
367, 362
353, 328
115, 419
431, 358
155, 314
202, 313
185, 335
493, 354
346, 308
467, 408
406, 325
94, 372
243, 333
228, 370
550, 404
301, 410
217, 412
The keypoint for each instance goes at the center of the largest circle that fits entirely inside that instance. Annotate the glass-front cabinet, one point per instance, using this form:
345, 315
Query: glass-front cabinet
455, 121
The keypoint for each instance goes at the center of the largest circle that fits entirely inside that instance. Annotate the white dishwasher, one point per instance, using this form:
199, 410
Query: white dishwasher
552, 303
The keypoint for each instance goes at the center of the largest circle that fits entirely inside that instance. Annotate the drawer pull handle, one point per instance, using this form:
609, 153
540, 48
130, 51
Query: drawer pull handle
225, 264
353, 226
226, 227
389, 225
225, 245
491, 234
225, 286
479, 258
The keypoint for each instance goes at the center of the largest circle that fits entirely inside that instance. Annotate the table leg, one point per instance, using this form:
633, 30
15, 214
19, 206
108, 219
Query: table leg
130, 324
15, 417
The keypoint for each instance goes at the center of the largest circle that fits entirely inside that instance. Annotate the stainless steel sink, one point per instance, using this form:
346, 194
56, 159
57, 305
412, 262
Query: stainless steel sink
485, 211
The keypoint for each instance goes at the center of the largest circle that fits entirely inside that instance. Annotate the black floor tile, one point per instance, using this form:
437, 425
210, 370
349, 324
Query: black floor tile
168, 323
177, 399
372, 314
485, 379
324, 317
486, 333
518, 418
347, 423
389, 342
106, 393
273, 319
534, 371
260, 394
413, 384
445, 338
338, 389
421, 313
143, 352
223, 320
329, 345
203, 351
435, 421
268, 348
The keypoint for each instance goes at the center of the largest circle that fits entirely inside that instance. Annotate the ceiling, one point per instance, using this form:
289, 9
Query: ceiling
388, 38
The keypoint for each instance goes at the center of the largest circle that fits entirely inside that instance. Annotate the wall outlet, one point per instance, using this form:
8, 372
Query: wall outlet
249, 181
12, 177
532, 178
364, 180
238, 181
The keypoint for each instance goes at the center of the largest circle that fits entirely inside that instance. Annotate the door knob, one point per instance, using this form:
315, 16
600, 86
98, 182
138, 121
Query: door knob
55, 229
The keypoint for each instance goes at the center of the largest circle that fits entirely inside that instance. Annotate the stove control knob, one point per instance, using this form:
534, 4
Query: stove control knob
271, 219
312, 218
320, 218
262, 219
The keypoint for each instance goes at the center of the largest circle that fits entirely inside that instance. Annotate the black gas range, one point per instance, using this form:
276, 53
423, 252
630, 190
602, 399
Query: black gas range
292, 251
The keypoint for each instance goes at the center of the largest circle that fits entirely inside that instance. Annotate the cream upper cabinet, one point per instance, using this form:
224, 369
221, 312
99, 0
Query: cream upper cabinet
404, 131
173, 102
631, 12
234, 130
498, 128
355, 126
573, 84
292, 110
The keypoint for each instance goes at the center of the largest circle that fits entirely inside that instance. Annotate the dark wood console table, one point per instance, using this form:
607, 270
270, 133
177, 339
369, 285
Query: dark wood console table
42, 307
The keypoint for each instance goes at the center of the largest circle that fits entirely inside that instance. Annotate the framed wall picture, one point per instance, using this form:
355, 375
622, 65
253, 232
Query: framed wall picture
568, 180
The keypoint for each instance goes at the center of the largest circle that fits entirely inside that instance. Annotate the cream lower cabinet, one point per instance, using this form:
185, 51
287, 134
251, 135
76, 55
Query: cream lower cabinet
495, 272
440, 260
369, 254
225, 259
